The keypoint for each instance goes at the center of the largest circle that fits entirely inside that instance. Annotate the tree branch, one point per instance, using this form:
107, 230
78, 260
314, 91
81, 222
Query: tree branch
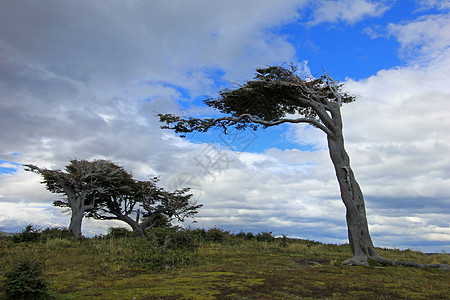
190, 125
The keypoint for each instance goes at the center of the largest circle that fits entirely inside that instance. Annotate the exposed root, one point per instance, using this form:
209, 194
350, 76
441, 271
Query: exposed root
357, 261
363, 260
444, 267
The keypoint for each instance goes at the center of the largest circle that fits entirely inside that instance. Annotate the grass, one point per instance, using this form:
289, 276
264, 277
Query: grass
231, 268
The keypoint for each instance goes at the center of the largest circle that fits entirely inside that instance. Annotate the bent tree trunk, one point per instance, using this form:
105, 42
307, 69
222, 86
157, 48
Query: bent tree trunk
351, 194
133, 224
358, 230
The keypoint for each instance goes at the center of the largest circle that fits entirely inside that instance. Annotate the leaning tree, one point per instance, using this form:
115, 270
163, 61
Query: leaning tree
142, 204
82, 183
277, 95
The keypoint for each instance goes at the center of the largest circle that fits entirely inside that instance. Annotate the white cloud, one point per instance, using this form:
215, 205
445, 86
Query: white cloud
429, 4
348, 11
428, 37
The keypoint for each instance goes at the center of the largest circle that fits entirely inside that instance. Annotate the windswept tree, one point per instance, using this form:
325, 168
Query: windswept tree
82, 183
142, 204
278, 95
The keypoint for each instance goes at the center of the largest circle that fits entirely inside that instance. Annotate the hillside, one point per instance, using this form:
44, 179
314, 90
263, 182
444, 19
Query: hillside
7, 234
216, 265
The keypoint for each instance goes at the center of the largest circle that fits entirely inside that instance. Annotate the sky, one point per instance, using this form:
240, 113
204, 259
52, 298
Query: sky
85, 80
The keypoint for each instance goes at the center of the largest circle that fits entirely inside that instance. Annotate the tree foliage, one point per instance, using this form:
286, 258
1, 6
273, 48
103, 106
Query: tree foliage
26, 281
276, 95
142, 204
82, 185
83, 180
104, 190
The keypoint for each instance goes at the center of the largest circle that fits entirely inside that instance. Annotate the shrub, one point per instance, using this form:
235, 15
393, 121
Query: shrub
216, 234
241, 235
265, 237
26, 281
119, 232
56, 233
199, 233
283, 241
249, 236
29, 234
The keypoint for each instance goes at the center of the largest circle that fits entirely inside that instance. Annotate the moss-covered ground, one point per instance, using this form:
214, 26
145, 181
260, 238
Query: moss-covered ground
229, 268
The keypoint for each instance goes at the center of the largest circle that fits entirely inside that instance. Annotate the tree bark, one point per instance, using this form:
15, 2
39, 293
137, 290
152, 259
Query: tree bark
358, 230
76, 221
351, 194
133, 224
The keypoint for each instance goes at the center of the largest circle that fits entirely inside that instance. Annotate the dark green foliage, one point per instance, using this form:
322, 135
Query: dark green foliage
26, 281
249, 236
216, 234
245, 236
161, 221
119, 232
199, 233
241, 234
265, 237
275, 93
56, 233
29, 234
283, 241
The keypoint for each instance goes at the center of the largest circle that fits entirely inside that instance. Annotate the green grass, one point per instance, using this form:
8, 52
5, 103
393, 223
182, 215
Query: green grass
131, 268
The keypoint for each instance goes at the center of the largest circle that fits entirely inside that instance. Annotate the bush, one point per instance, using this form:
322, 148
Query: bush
241, 235
119, 232
284, 241
199, 233
29, 234
216, 234
249, 236
265, 237
56, 233
26, 281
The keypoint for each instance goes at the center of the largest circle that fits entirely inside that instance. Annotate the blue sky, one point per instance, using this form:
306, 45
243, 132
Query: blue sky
84, 79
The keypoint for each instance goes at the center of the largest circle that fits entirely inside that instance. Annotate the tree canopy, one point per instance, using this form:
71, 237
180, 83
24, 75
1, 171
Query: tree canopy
141, 204
276, 95
82, 184
104, 190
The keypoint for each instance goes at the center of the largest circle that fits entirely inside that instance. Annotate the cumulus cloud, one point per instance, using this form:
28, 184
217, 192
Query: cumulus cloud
85, 80
429, 4
347, 11
426, 37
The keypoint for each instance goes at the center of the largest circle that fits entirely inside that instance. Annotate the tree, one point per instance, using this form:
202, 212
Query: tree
82, 184
278, 95
142, 205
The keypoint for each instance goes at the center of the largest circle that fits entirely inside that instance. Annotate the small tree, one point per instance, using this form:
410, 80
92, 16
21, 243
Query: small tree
26, 281
142, 205
278, 95
82, 183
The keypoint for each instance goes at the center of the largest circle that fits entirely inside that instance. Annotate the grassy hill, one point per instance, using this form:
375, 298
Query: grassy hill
2, 233
214, 264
